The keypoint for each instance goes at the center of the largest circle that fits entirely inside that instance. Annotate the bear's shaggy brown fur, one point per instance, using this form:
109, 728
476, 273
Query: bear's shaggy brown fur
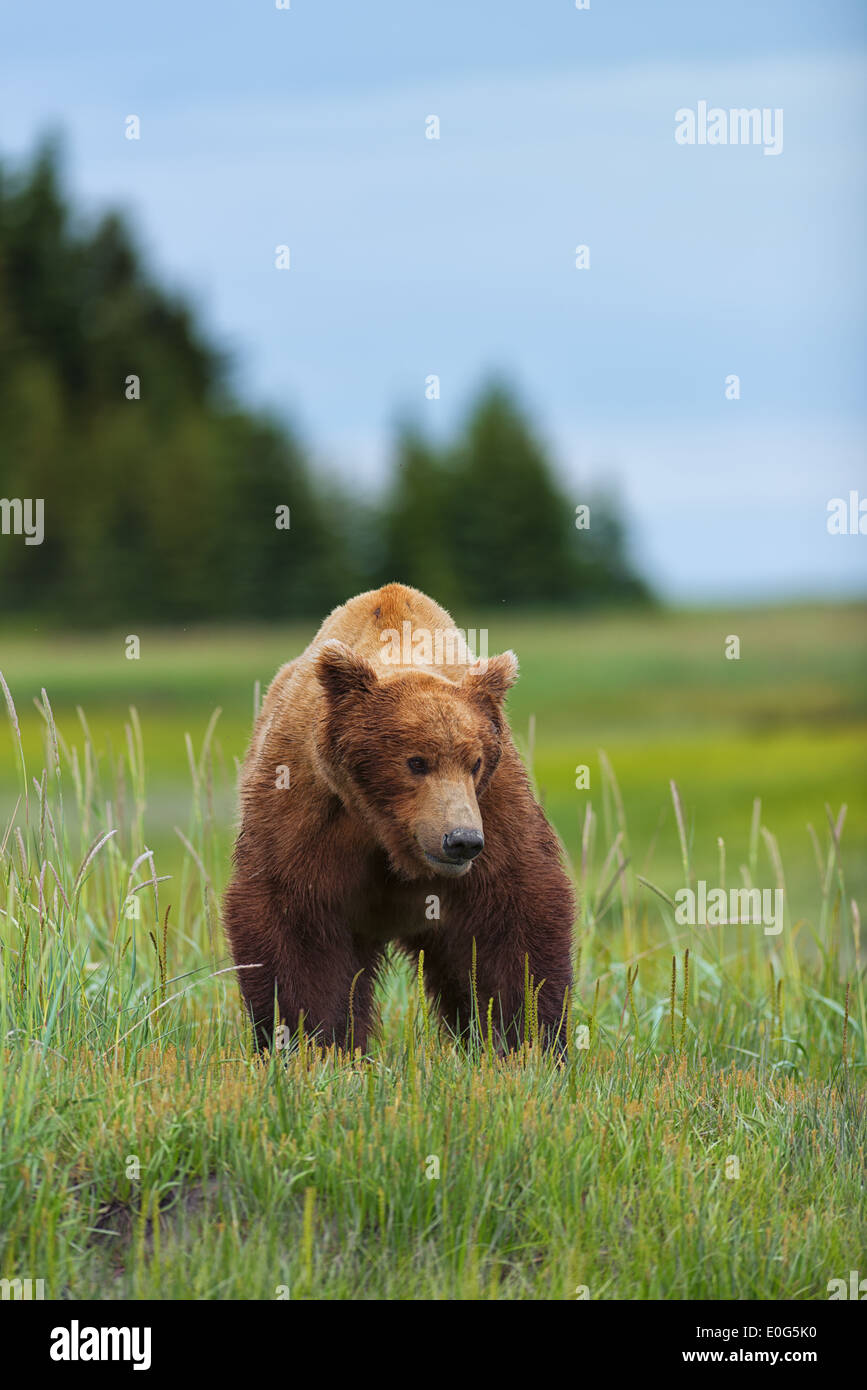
398, 770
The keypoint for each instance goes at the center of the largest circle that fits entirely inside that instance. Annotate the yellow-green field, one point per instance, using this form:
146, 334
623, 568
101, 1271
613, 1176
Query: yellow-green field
786, 723
706, 1138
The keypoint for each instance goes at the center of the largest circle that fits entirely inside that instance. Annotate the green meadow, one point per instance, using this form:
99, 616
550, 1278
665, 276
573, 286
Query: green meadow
706, 1137
784, 723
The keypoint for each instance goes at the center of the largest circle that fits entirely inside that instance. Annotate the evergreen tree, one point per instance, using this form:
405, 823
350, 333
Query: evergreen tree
511, 529
157, 508
416, 547
162, 494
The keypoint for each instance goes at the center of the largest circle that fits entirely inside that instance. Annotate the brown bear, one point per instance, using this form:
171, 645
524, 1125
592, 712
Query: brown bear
382, 799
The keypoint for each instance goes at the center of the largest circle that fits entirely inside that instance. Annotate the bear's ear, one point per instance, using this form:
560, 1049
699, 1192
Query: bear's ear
492, 677
341, 671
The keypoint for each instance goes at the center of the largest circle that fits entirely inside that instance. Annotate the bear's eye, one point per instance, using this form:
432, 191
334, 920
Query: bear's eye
477, 766
416, 764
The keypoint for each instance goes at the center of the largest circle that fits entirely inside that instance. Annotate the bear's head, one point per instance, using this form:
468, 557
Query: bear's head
412, 754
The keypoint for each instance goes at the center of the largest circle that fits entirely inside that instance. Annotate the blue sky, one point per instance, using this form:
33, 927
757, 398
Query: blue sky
457, 256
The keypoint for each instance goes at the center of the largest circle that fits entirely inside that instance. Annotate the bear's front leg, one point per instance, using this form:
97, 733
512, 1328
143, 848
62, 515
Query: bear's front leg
522, 929
308, 967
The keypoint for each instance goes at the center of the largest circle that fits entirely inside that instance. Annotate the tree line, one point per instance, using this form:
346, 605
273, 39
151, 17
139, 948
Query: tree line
163, 494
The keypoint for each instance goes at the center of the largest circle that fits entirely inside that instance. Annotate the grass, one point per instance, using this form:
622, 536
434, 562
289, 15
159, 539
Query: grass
706, 1138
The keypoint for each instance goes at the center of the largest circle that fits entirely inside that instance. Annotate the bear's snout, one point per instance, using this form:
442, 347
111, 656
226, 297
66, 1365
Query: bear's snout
463, 844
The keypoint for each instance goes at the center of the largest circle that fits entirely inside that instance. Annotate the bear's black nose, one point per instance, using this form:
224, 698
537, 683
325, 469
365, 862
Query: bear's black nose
463, 844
